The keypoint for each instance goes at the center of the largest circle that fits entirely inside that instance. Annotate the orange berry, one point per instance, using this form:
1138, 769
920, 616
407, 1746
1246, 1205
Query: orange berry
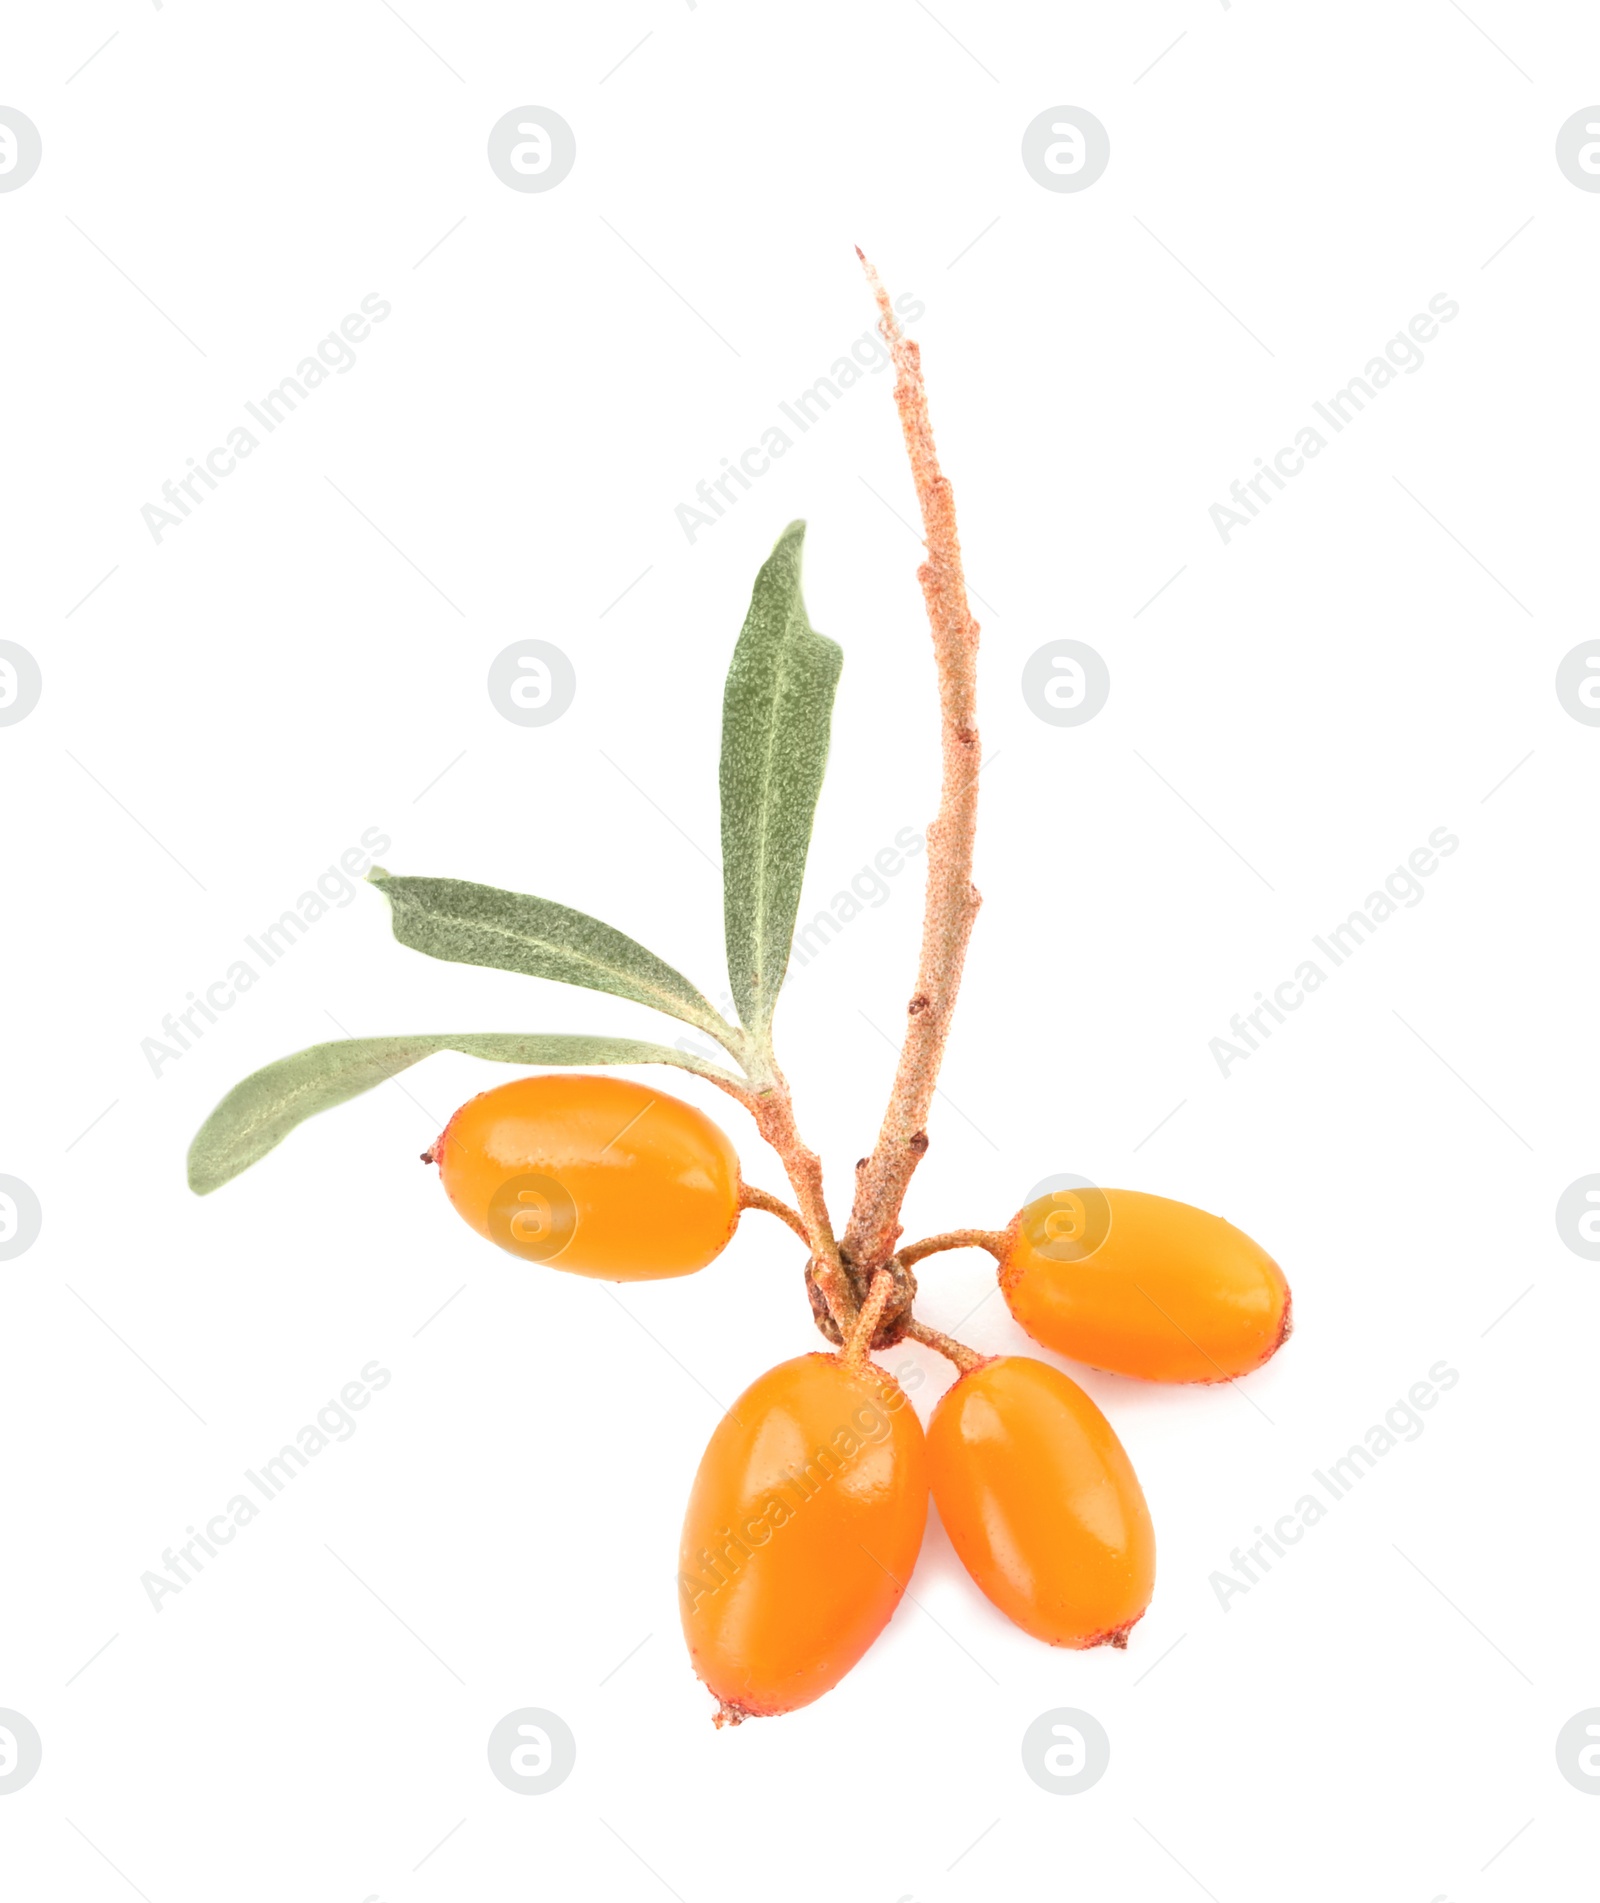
803, 1526
1144, 1286
1041, 1503
593, 1174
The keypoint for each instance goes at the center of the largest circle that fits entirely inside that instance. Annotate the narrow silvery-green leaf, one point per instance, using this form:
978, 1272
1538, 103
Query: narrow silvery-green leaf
513, 931
258, 1114
775, 715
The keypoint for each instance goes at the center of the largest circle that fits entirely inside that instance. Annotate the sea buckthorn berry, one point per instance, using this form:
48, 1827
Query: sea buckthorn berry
804, 1523
1041, 1503
593, 1174
1143, 1286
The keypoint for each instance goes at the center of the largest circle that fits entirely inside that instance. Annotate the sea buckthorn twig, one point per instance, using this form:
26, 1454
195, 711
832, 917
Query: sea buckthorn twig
952, 899
773, 1109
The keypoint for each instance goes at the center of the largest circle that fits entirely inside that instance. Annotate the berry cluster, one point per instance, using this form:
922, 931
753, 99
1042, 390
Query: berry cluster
807, 1514
808, 1510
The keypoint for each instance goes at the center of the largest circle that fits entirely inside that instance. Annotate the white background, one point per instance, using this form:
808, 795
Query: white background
1367, 662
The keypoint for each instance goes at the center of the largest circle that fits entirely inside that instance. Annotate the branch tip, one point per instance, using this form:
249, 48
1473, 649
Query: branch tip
951, 899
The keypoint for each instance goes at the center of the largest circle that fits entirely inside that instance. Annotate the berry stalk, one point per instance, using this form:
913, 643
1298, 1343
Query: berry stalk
994, 1240
859, 1340
965, 1358
752, 1198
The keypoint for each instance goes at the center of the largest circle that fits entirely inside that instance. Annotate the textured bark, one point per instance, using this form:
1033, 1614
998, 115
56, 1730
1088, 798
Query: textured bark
773, 1110
952, 899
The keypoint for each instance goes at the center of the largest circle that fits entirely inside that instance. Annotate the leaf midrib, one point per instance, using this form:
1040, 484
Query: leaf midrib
464, 1042
764, 831
588, 960
314, 1087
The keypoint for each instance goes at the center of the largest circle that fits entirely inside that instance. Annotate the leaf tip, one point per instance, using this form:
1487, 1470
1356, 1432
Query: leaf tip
201, 1179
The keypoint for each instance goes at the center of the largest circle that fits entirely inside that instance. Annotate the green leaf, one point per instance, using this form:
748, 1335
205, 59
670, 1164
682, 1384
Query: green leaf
775, 716
512, 931
258, 1114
